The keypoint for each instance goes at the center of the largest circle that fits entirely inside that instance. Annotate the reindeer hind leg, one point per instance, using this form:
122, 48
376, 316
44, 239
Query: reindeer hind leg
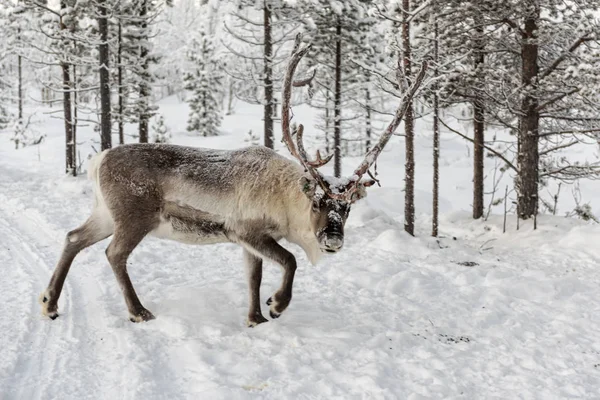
97, 227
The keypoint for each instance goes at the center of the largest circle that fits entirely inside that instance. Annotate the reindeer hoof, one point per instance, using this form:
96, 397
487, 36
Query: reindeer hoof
277, 305
48, 310
50, 314
274, 314
142, 316
251, 322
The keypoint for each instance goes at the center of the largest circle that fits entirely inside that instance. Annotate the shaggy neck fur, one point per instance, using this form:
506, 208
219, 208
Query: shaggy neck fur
299, 231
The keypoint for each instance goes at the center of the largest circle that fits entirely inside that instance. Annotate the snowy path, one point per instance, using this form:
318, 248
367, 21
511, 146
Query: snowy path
390, 317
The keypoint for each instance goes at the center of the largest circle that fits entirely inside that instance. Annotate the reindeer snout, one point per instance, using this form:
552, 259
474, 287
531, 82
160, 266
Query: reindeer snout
332, 243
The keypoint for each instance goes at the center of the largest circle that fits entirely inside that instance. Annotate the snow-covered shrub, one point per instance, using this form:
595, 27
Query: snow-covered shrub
4, 117
160, 131
584, 212
252, 138
23, 135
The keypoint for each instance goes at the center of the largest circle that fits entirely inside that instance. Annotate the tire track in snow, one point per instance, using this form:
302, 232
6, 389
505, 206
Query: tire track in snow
71, 349
32, 361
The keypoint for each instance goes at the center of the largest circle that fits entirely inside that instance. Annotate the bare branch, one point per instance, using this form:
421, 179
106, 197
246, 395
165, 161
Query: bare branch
562, 57
46, 8
545, 134
562, 146
372, 155
556, 98
491, 150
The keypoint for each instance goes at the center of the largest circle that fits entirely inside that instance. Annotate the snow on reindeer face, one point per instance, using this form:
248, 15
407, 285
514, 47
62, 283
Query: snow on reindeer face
328, 215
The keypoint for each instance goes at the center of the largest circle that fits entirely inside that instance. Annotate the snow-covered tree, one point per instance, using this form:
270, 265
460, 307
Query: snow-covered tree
203, 81
178, 25
259, 31
339, 31
539, 69
5, 116
160, 131
141, 59
24, 135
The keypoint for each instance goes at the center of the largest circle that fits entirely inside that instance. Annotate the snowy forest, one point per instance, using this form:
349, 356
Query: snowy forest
526, 69
469, 271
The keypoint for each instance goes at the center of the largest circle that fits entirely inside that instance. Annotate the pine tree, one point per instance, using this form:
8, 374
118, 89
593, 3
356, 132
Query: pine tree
24, 135
203, 81
436, 121
4, 115
125, 63
20, 135
160, 131
262, 27
545, 87
104, 72
5, 86
469, 80
16, 21
141, 60
338, 31
67, 39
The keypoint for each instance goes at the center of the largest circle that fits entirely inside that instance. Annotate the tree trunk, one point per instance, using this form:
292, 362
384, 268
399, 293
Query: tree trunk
105, 128
409, 191
436, 136
121, 105
144, 84
528, 156
337, 106
75, 107
327, 123
368, 130
478, 130
69, 140
70, 167
230, 98
20, 77
268, 77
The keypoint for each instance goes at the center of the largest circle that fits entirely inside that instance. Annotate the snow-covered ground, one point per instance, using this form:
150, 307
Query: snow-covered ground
475, 314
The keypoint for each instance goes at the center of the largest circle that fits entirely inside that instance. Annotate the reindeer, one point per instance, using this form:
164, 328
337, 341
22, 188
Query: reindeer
252, 196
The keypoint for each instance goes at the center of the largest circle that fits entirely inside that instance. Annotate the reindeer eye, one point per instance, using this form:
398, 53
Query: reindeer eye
315, 205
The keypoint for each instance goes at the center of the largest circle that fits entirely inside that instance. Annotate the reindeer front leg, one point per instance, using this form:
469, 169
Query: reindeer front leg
267, 247
254, 270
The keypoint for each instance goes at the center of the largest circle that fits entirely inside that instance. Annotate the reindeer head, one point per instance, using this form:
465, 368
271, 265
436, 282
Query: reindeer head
331, 198
328, 214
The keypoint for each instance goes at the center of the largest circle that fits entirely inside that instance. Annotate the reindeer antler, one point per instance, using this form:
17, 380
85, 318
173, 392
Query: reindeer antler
372, 154
298, 150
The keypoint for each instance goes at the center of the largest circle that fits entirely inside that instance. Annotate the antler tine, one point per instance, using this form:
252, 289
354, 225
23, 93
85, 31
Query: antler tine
311, 167
319, 162
372, 155
297, 55
305, 81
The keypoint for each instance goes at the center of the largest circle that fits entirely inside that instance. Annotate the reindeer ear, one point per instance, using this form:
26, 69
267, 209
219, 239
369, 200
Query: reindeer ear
361, 190
308, 186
